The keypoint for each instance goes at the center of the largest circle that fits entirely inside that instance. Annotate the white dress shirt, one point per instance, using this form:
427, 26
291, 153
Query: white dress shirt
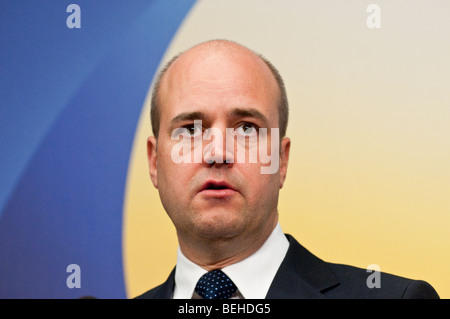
252, 276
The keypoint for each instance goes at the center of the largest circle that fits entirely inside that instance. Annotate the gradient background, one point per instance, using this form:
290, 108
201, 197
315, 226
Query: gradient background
369, 175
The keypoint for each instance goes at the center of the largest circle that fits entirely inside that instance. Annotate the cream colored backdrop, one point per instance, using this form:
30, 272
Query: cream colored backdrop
369, 173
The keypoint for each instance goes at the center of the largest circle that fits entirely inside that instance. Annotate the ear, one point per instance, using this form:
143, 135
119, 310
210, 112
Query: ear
152, 160
284, 158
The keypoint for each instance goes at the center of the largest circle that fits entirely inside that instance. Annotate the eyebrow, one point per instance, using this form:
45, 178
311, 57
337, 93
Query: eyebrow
188, 116
249, 112
236, 112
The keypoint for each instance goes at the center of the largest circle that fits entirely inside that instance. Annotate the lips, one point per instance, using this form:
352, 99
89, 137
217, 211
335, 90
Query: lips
217, 189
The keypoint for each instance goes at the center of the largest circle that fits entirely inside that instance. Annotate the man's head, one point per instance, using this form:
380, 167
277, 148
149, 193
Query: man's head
225, 85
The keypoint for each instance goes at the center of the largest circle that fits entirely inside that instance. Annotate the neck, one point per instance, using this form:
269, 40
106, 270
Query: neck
218, 253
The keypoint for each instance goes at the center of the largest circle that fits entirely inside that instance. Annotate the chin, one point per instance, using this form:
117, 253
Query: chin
220, 225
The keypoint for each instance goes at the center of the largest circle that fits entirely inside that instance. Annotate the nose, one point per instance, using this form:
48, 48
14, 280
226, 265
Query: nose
217, 152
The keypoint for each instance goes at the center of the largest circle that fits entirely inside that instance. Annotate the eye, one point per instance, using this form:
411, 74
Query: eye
190, 130
247, 129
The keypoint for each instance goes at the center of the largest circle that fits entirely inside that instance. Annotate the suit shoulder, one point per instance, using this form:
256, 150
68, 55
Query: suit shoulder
362, 283
419, 289
154, 293
163, 291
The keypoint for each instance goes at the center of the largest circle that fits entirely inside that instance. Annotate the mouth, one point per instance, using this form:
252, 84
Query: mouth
217, 189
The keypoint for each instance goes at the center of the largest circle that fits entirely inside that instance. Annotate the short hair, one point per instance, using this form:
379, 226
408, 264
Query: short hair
283, 106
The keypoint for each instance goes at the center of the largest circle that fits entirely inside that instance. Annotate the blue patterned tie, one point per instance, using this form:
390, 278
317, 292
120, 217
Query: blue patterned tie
215, 285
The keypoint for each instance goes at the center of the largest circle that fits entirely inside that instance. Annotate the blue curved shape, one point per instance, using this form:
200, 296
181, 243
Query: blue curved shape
66, 208
43, 64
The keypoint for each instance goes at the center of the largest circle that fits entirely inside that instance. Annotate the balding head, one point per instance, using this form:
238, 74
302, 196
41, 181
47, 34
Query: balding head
213, 105
208, 55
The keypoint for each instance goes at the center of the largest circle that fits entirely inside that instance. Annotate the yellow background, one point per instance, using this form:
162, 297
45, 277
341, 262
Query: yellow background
369, 174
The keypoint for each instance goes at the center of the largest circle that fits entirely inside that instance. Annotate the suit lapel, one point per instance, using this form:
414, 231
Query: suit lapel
301, 275
163, 291
166, 289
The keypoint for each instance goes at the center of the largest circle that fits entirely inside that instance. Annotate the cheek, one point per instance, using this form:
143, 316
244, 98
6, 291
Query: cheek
171, 176
260, 188
174, 176
175, 188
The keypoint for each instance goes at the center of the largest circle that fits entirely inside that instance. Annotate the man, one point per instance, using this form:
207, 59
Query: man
217, 111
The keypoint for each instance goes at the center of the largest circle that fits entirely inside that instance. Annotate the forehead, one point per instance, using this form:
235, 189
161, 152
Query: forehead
209, 80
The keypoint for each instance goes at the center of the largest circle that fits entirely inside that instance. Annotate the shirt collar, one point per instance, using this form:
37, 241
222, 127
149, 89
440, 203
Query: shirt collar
187, 274
253, 275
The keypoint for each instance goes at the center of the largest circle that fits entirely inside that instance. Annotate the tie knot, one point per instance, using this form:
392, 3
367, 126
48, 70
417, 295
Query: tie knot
215, 285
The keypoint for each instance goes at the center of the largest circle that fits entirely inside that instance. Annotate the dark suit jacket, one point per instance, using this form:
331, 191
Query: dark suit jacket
303, 275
